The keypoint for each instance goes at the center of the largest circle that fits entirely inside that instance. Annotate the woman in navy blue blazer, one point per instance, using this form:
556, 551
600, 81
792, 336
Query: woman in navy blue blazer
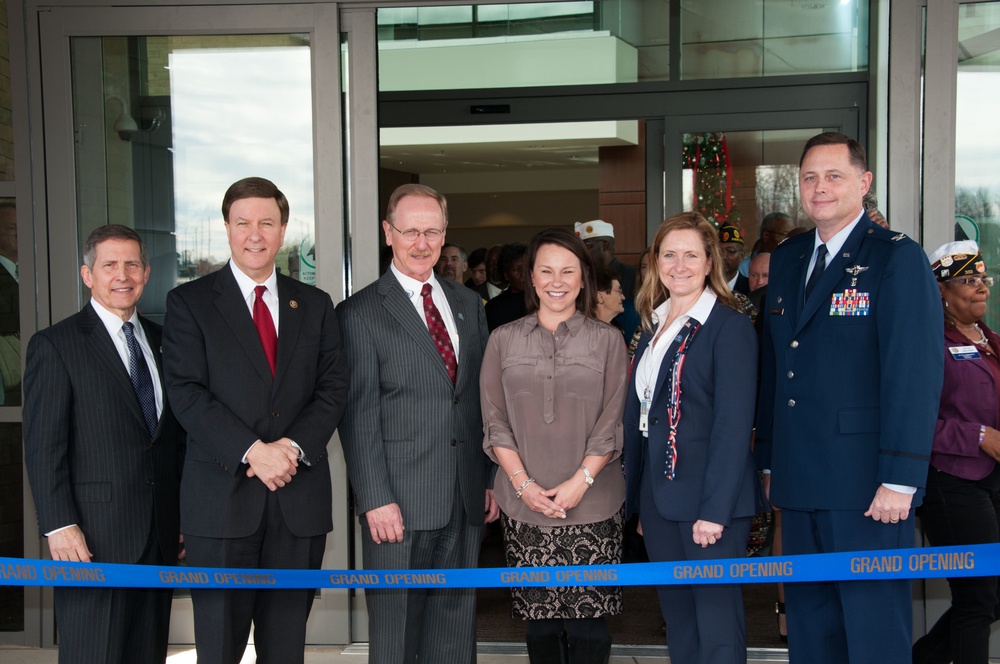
962, 503
688, 421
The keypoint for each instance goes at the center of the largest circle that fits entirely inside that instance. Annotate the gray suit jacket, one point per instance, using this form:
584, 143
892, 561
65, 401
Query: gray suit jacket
409, 435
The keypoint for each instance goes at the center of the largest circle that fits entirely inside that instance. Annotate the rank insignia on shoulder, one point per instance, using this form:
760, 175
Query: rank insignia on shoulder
898, 236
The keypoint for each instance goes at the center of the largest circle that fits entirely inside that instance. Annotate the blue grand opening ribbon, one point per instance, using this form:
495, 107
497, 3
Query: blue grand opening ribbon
916, 563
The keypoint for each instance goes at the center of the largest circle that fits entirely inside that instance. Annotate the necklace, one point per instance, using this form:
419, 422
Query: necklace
982, 342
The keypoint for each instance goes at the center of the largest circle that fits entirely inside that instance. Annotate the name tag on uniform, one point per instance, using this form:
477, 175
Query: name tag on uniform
964, 352
850, 303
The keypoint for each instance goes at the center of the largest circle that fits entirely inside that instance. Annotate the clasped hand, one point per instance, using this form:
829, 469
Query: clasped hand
274, 464
555, 502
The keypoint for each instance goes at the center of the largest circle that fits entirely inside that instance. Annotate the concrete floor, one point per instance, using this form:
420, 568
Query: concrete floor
493, 653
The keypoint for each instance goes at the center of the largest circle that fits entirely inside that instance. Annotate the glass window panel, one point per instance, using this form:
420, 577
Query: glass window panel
608, 41
166, 124
6, 123
739, 177
749, 38
977, 145
521, 45
10, 311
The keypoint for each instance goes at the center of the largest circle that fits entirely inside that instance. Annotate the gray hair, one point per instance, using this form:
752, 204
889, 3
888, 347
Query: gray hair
111, 232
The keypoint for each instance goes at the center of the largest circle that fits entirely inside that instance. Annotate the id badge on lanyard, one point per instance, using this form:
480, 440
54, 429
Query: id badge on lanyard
644, 416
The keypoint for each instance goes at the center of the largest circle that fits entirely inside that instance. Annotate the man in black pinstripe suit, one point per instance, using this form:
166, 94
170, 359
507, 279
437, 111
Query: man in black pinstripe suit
105, 473
412, 435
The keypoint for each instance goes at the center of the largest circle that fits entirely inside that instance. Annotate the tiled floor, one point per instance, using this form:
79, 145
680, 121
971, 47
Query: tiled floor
489, 654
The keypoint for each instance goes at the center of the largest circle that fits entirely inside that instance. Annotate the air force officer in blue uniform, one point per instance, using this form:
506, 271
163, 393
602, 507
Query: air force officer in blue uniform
851, 379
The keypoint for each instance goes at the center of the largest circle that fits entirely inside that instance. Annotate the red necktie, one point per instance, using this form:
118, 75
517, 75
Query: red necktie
439, 333
265, 327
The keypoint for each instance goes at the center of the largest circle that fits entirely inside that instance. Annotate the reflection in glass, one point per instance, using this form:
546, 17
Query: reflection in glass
608, 41
10, 312
746, 38
739, 177
977, 147
6, 122
11, 522
166, 124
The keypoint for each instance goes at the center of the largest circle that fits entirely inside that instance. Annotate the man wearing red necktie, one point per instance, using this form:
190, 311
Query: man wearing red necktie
413, 434
255, 370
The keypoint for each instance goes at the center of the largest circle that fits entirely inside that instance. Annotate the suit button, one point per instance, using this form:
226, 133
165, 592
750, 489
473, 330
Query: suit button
454, 442
791, 403
794, 344
655, 420
791, 374
149, 482
456, 401
275, 413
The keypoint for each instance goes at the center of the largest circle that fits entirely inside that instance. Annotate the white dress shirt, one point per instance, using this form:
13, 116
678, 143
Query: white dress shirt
648, 368
413, 288
270, 297
114, 325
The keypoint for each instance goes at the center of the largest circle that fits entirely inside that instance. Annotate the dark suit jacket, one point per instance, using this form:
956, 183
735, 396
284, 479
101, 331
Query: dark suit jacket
409, 435
742, 285
505, 308
221, 388
89, 456
849, 402
715, 478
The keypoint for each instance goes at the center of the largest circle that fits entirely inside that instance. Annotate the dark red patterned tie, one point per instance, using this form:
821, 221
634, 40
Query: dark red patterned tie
439, 333
265, 327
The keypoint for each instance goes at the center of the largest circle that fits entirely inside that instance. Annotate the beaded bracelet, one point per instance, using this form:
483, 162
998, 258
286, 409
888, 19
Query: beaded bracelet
982, 434
524, 484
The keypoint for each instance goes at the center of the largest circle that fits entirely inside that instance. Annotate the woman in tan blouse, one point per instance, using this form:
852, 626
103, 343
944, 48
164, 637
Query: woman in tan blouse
553, 392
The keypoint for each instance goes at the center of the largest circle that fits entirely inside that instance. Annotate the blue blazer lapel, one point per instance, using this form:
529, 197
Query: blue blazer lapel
103, 348
664, 369
230, 303
394, 299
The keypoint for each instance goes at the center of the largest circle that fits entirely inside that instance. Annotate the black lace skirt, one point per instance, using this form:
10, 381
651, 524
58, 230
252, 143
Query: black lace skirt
527, 545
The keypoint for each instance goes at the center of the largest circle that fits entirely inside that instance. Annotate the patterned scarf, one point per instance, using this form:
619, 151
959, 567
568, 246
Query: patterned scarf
684, 337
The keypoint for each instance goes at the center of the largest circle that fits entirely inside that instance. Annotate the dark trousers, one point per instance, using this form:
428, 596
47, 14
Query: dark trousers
423, 625
114, 625
958, 511
705, 623
861, 622
222, 618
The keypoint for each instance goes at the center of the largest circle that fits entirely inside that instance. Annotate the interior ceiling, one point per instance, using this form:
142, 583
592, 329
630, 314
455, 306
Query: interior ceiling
490, 157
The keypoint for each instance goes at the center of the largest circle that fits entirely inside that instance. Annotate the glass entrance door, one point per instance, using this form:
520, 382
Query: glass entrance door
150, 115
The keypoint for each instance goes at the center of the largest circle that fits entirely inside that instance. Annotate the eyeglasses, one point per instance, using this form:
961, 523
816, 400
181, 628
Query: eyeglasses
973, 281
411, 234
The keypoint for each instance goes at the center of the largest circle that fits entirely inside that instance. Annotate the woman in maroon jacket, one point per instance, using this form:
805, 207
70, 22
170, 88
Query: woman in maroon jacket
962, 505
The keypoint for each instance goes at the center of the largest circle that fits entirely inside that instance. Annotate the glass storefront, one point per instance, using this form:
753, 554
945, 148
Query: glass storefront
609, 41
977, 144
166, 124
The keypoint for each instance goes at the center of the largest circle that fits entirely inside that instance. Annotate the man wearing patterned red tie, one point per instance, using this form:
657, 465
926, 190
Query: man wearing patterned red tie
412, 435
256, 374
